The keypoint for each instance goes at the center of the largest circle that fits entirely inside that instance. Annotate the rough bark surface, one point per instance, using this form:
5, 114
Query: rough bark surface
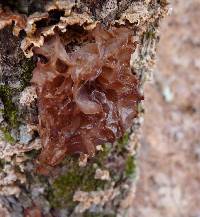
101, 186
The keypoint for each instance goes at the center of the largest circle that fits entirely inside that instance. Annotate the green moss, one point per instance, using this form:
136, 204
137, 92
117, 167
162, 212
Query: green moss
10, 111
150, 34
7, 135
122, 142
76, 177
130, 166
61, 191
27, 67
102, 156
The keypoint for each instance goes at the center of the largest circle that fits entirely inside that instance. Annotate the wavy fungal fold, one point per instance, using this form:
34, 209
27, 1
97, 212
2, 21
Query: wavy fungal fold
88, 95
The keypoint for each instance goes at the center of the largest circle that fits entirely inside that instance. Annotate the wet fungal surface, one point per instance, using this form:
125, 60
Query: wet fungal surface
86, 97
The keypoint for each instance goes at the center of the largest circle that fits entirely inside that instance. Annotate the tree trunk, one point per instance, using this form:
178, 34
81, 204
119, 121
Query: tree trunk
100, 186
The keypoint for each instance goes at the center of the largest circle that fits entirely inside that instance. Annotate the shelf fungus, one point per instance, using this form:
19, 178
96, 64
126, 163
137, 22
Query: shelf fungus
88, 95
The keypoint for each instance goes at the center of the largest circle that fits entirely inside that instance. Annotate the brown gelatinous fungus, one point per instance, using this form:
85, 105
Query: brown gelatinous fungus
86, 97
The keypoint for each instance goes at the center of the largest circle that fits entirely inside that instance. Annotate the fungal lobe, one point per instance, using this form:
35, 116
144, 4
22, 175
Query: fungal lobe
86, 97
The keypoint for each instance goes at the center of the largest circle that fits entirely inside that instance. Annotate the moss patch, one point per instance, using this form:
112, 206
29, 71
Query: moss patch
122, 142
76, 178
151, 34
10, 111
130, 166
7, 136
27, 67
61, 191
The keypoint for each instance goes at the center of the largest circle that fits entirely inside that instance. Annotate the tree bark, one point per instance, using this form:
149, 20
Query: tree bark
105, 185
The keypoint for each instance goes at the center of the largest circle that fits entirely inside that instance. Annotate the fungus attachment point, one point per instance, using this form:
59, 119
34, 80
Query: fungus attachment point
85, 97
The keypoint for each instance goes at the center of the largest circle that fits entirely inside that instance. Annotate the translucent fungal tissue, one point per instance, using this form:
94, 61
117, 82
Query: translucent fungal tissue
88, 95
